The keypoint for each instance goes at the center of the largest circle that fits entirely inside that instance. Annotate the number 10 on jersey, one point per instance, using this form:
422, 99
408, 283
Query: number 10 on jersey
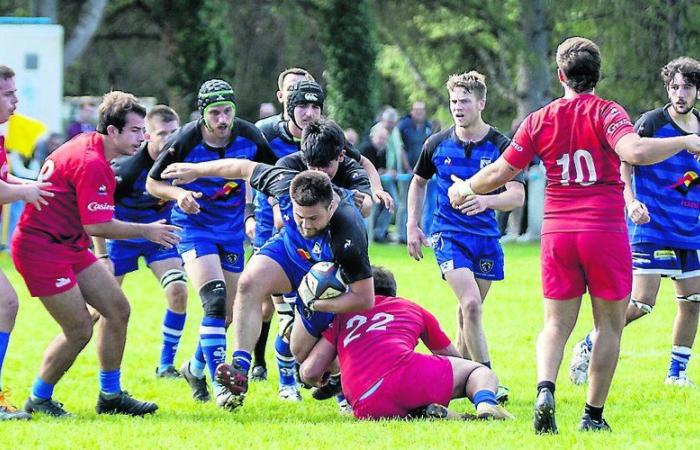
580, 158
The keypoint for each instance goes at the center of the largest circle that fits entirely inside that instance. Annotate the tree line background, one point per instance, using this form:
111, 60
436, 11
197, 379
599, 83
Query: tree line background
366, 53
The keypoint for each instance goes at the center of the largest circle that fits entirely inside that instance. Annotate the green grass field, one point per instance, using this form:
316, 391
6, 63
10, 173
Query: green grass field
642, 411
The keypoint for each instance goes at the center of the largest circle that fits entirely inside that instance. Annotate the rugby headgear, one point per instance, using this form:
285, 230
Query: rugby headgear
302, 93
215, 92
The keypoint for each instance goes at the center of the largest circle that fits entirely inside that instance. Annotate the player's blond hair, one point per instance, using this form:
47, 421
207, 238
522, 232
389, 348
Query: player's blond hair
472, 82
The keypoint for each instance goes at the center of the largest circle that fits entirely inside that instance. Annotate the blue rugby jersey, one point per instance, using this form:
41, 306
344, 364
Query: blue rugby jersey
445, 154
670, 189
132, 202
222, 205
344, 241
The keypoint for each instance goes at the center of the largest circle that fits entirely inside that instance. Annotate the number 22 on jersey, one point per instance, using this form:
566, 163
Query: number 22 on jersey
378, 323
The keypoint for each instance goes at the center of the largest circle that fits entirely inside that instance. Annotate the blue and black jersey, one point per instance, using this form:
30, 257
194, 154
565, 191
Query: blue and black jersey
445, 154
670, 189
222, 205
344, 241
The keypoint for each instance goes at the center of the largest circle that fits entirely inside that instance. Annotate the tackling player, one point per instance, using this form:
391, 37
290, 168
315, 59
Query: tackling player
319, 226
662, 202
580, 139
12, 189
465, 240
382, 370
50, 251
212, 214
135, 204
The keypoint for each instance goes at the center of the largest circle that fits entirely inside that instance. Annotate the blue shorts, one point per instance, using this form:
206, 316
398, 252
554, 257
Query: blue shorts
295, 267
125, 254
230, 253
676, 263
482, 255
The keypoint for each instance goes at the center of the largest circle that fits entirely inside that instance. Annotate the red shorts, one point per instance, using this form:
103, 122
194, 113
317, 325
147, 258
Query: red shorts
46, 276
422, 380
599, 260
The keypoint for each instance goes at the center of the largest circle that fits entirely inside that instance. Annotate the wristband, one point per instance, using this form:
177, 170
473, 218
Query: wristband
465, 188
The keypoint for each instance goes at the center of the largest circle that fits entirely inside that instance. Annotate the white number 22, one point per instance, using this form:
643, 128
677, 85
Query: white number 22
580, 157
379, 322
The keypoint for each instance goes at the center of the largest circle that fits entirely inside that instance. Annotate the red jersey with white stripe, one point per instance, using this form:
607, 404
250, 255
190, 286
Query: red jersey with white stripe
83, 183
4, 168
575, 138
375, 342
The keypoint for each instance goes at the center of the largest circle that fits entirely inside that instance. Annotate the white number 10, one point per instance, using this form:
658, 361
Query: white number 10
580, 157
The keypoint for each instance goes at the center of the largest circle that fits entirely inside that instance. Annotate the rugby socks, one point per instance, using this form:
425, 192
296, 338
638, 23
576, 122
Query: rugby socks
110, 384
212, 338
596, 414
259, 352
589, 340
285, 362
680, 356
198, 363
173, 324
4, 341
41, 390
484, 396
243, 359
545, 385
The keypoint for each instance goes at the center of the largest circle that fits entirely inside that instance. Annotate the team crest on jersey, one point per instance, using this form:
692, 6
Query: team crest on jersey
684, 184
484, 162
231, 258
486, 265
436, 241
316, 250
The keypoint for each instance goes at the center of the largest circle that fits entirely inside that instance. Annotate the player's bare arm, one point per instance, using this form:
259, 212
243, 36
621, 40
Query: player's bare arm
636, 210
183, 173
186, 200
414, 234
486, 180
378, 192
513, 197
359, 297
158, 232
32, 193
645, 151
316, 364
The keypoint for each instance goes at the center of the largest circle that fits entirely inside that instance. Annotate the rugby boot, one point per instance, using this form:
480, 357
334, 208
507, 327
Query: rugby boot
200, 391
544, 413
329, 390
289, 394
49, 407
234, 380
259, 373
8, 411
588, 424
580, 359
169, 372
487, 411
125, 404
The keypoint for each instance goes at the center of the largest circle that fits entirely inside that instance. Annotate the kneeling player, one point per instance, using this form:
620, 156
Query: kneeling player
383, 376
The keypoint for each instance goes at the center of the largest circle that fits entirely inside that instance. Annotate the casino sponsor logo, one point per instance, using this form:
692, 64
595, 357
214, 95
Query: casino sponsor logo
486, 265
303, 253
622, 122
94, 207
484, 162
685, 183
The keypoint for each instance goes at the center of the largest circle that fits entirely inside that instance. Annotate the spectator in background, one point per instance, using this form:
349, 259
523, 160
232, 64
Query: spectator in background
47, 146
266, 110
84, 120
415, 129
374, 149
351, 137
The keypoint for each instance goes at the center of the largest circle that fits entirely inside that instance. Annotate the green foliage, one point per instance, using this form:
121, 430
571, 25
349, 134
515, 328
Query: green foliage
347, 38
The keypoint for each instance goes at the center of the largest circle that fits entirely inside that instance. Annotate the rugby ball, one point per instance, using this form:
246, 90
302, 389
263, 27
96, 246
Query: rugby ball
322, 282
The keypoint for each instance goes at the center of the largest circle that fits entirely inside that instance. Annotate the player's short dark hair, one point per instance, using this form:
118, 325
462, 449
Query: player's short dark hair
472, 82
164, 112
579, 59
384, 281
311, 187
688, 67
293, 71
322, 141
6, 73
114, 108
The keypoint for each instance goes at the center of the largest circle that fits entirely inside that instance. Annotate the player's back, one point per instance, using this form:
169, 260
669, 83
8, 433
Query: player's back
575, 139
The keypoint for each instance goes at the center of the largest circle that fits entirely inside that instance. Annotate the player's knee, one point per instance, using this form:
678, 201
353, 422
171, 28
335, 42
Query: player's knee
471, 307
177, 298
80, 333
249, 286
9, 304
213, 296
310, 375
643, 307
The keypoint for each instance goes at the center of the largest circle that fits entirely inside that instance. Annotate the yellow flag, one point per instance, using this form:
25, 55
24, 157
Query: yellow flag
23, 133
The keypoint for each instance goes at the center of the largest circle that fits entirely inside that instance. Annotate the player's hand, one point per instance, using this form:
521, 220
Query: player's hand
638, 213
250, 227
36, 193
187, 201
416, 238
180, 173
454, 192
475, 204
384, 198
693, 144
162, 233
359, 198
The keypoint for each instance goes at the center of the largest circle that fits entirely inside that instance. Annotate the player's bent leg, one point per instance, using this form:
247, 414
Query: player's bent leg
301, 341
684, 329
466, 289
173, 280
479, 384
259, 372
8, 311
645, 288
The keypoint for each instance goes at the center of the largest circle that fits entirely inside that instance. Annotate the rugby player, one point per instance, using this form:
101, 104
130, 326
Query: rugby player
50, 251
581, 139
662, 202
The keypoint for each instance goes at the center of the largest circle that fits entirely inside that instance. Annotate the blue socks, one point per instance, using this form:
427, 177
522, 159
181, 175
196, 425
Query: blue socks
589, 342
285, 362
198, 363
41, 390
243, 359
680, 356
110, 382
212, 338
4, 340
173, 324
484, 396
